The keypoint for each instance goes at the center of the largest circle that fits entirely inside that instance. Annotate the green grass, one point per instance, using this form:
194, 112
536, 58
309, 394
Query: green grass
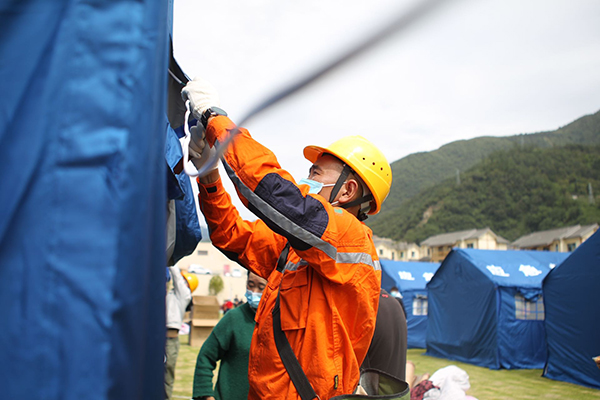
516, 384
486, 384
184, 370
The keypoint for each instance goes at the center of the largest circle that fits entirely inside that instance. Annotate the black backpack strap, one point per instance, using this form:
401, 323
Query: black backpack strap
293, 367
283, 257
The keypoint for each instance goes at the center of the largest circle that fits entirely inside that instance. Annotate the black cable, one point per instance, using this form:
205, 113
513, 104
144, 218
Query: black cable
401, 22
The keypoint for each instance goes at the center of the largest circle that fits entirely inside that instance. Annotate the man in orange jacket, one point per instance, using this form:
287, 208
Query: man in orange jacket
328, 292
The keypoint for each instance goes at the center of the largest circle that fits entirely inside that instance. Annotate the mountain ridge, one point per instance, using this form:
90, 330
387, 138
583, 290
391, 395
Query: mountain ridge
419, 171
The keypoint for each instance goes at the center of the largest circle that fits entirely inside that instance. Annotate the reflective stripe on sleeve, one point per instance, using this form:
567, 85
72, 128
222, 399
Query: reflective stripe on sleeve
278, 218
358, 258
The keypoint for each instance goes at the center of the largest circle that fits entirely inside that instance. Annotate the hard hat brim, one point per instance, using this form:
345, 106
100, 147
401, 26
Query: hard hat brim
312, 153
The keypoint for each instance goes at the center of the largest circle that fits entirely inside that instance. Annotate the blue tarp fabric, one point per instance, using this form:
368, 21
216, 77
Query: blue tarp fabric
473, 307
82, 221
410, 278
573, 316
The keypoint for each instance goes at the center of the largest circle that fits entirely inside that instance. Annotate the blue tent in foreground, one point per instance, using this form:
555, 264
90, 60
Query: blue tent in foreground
411, 279
486, 307
82, 222
573, 316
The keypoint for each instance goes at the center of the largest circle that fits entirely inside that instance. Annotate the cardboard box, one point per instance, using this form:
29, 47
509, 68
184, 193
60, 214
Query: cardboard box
204, 316
200, 329
205, 307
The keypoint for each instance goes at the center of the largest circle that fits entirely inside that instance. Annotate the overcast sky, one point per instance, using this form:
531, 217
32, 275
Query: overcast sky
471, 68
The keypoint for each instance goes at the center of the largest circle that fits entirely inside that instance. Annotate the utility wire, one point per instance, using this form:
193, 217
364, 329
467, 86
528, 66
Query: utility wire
400, 23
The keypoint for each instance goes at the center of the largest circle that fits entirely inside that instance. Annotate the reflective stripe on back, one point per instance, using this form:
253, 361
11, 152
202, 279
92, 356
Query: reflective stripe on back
342, 258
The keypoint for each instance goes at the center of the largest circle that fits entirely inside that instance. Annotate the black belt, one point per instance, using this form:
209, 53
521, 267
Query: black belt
289, 359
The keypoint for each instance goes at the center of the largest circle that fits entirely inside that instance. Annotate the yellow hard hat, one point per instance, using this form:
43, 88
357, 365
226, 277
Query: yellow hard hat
191, 279
365, 159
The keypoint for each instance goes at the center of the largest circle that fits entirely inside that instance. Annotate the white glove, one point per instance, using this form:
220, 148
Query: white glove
201, 94
197, 139
199, 150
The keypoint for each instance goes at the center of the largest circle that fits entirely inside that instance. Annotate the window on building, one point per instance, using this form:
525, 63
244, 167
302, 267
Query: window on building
571, 246
393, 255
380, 252
555, 247
420, 305
469, 245
529, 309
202, 252
428, 252
412, 254
401, 254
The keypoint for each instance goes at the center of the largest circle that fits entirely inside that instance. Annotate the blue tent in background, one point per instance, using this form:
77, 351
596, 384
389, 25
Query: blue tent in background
82, 222
411, 279
486, 307
573, 316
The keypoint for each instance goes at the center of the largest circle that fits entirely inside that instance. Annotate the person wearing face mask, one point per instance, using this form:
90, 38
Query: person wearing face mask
317, 314
229, 342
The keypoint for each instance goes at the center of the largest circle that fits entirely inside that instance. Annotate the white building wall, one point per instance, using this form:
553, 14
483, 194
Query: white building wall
209, 257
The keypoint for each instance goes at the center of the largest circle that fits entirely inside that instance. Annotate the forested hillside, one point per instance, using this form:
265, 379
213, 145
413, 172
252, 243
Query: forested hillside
514, 192
419, 171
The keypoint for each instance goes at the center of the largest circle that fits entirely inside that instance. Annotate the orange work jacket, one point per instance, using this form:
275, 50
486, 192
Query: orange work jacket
331, 283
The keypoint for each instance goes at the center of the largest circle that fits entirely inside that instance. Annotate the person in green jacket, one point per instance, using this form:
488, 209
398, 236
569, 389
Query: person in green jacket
229, 342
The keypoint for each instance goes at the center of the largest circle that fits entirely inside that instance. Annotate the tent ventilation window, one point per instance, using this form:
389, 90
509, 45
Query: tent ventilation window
529, 309
419, 305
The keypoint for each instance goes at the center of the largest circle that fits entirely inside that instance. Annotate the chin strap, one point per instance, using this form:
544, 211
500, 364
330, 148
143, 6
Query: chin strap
364, 201
338, 184
365, 206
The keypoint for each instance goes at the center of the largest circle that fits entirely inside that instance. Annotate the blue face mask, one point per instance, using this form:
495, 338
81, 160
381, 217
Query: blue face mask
315, 187
253, 298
